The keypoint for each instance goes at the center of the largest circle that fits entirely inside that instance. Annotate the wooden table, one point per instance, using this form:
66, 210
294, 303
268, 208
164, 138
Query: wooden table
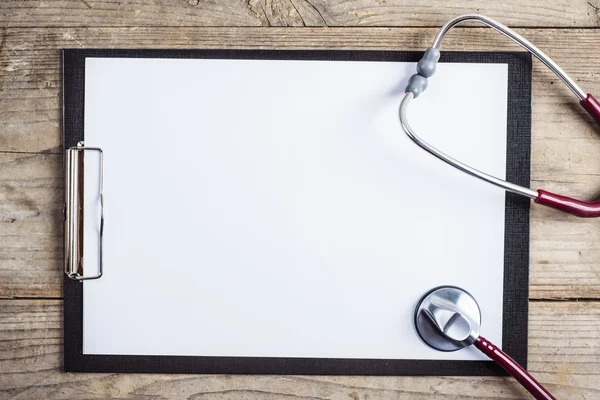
564, 328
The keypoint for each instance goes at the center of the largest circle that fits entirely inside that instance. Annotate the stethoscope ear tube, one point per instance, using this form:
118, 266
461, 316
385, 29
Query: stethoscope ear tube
418, 83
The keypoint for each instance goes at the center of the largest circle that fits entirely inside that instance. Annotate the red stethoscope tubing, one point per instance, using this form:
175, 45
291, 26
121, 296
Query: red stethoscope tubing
592, 106
513, 368
567, 204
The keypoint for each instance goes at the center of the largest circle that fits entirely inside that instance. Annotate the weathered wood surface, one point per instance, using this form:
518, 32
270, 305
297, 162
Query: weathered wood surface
566, 144
30, 70
565, 260
31, 199
564, 355
544, 13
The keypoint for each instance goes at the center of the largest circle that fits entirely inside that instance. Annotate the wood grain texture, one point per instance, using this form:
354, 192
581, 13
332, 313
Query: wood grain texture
30, 224
30, 73
565, 260
564, 355
565, 255
334, 13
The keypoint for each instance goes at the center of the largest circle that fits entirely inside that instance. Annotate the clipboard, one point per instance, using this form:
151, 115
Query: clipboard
516, 226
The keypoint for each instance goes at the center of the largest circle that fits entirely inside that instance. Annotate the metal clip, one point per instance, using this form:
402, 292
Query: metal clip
74, 212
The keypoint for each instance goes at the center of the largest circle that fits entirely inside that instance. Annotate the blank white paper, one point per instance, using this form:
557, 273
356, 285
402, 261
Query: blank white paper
276, 208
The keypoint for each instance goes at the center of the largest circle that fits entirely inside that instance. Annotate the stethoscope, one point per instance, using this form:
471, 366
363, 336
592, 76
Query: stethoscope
426, 68
448, 318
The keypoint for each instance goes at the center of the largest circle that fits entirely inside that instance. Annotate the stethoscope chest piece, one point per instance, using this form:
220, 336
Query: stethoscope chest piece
448, 318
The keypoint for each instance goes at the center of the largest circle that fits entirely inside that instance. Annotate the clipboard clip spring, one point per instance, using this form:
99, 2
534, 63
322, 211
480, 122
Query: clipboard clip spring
73, 234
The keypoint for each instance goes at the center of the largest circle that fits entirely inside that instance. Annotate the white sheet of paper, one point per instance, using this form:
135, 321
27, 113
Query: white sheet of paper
276, 208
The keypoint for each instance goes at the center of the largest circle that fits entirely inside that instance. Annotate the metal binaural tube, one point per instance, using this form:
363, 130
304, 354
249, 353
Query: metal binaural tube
426, 68
511, 187
520, 40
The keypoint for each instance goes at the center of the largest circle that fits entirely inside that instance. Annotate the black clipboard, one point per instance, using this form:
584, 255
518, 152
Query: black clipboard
516, 252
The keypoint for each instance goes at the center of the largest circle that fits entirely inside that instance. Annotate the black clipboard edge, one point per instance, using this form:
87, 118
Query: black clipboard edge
516, 253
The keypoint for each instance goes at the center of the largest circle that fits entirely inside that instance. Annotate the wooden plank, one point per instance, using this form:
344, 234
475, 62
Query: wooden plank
334, 13
564, 353
31, 198
30, 71
565, 255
